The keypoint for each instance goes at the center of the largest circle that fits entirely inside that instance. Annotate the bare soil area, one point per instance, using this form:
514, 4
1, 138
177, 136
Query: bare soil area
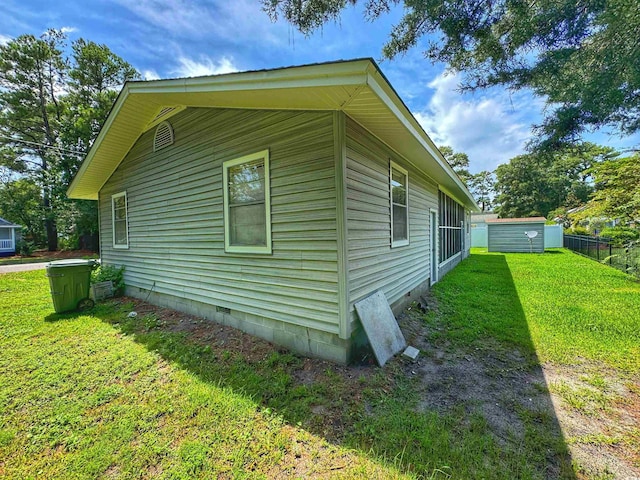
599, 424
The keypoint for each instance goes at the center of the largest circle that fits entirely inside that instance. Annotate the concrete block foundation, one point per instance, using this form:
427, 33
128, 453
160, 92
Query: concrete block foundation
303, 340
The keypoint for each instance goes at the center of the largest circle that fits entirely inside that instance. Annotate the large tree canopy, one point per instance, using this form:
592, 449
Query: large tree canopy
31, 80
582, 56
52, 104
482, 186
538, 183
459, 161
617, 190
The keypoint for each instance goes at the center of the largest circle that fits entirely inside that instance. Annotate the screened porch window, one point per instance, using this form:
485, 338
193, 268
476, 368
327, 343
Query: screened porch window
247, 218
398, 180
120, 224
451, 227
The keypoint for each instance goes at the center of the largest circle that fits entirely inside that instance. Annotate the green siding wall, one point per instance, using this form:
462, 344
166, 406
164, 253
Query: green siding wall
176, 234
511, 237
373, 264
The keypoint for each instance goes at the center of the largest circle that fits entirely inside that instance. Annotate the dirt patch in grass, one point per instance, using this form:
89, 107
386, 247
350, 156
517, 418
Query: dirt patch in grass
586, 406
228, 344
600, 417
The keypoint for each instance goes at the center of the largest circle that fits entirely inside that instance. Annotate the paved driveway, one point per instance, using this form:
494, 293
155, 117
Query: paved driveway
25, 267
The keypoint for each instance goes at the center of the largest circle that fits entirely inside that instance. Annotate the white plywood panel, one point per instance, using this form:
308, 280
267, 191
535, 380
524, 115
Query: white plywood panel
381, 327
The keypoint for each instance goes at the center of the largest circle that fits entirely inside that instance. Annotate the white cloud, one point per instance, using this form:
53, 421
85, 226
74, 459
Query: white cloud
490, 129
173, 15
233, 21
204, 66
150, 74
68, 30
4, 39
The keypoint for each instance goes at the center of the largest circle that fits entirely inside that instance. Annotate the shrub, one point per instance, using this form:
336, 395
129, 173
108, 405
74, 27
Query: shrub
72, 242
577, 230
105, 273
24, 248
621, 235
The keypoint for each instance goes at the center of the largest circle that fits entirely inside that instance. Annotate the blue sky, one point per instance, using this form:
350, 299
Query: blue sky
173, 38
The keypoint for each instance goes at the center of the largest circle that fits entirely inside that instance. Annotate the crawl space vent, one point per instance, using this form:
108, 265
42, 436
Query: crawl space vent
163, 137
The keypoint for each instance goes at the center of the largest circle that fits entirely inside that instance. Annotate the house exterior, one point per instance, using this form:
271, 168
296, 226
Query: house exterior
9, 236
510, 234
274, 200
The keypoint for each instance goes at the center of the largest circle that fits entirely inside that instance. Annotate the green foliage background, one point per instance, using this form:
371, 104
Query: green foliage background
54, 97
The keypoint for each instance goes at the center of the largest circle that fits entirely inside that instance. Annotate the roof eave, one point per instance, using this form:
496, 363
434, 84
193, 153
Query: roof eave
349, 74
341, 73
113, 113
390, 97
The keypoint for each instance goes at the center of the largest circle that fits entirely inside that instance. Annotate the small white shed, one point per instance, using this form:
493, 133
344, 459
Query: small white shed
516, 234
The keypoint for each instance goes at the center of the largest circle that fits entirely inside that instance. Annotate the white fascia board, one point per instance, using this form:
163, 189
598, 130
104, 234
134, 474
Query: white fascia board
391, 100
345, 73
267, 84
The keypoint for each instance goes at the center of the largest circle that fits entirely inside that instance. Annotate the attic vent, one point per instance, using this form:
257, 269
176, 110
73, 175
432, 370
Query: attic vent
163, 137
164, 112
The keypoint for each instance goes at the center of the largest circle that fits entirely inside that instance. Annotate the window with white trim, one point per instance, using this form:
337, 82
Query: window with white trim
247, 204
120, 222
398, 184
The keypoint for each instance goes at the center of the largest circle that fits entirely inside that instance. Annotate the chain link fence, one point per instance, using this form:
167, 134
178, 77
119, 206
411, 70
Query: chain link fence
623, 257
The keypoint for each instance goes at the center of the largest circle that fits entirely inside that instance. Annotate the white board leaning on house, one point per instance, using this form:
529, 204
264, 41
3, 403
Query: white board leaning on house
381, 327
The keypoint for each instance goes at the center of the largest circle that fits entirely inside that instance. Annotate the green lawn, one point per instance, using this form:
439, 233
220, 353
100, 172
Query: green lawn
81, 398
564, 307
104, 396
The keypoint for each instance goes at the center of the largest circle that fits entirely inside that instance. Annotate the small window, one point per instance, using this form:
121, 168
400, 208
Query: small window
120, 221
247, 208
399, 181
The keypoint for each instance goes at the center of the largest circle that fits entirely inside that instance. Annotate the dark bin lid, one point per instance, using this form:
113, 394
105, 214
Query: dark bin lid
73, 262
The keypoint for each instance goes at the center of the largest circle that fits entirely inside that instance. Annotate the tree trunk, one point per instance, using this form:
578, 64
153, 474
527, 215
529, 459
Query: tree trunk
52, 234
50, 228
